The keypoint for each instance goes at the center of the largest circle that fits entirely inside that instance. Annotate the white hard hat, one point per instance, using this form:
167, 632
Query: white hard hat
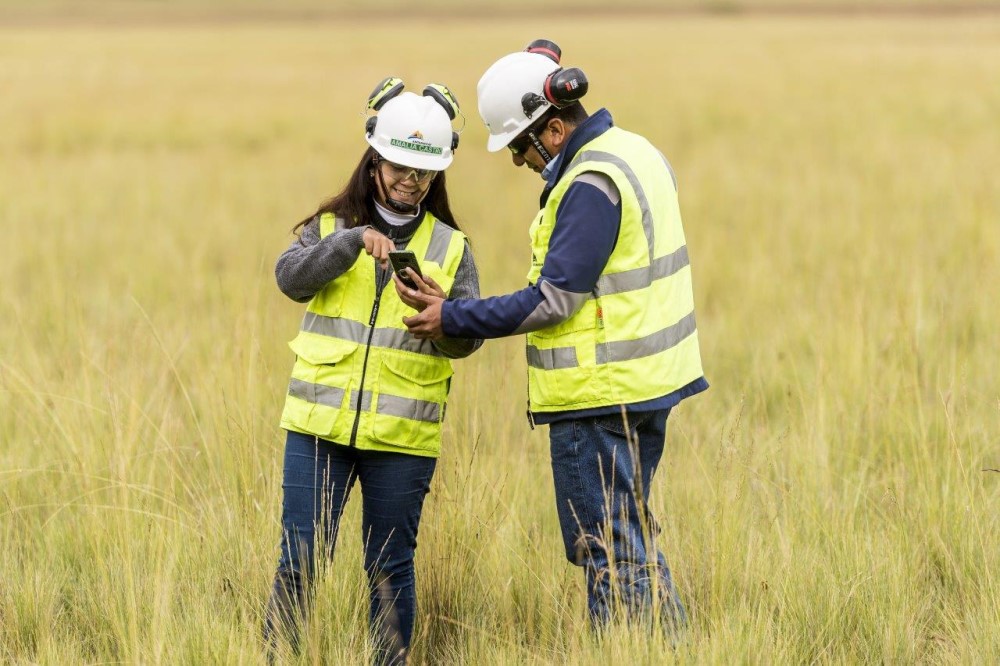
501, 90
413, 130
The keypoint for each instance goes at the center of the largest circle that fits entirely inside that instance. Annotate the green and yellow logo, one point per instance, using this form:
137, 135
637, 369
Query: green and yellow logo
416, 147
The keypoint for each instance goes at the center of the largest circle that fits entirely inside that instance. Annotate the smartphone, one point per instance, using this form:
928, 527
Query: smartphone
401, 260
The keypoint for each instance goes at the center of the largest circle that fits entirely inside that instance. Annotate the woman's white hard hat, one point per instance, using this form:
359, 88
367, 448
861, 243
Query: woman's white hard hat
415, 131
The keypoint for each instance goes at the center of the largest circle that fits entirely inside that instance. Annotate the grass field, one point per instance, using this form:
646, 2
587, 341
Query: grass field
827, 501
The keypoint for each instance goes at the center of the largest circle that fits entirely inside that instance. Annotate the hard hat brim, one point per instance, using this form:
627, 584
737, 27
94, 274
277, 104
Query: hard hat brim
497, 142
411, 159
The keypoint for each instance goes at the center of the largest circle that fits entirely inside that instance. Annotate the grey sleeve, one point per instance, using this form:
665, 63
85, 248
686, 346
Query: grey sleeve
466, 285
558, 306
311, 262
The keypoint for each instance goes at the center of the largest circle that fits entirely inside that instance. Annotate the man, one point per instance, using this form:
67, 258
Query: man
609, 313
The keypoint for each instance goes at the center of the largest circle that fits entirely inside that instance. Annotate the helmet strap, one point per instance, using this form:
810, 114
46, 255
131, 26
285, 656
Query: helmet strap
539, 147
396, 205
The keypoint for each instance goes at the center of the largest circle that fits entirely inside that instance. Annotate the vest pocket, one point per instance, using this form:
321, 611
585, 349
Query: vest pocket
565, 387
562, 372
321, 350
321, 381
410, 402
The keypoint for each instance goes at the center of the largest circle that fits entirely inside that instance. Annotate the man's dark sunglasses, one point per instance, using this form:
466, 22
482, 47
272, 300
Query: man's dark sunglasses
519, 144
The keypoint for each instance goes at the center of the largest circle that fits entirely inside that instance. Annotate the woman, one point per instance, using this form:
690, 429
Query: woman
366, 399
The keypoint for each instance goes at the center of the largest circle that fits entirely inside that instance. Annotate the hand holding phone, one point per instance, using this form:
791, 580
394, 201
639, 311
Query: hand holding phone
401, 260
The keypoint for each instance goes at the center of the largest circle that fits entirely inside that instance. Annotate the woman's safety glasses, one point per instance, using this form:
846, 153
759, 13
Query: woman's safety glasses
399, 172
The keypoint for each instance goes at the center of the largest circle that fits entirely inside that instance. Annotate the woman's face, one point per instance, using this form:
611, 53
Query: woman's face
403, 184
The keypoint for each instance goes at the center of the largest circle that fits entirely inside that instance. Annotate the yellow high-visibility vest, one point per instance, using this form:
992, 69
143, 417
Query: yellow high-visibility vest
635, 338
360, 378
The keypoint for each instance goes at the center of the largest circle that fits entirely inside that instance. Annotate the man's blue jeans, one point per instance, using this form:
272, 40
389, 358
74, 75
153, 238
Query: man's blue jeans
318, 478
603, 508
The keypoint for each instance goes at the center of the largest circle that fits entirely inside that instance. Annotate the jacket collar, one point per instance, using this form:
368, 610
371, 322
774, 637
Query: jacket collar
591, 128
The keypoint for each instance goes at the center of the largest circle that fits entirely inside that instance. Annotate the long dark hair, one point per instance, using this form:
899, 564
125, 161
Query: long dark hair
354, 203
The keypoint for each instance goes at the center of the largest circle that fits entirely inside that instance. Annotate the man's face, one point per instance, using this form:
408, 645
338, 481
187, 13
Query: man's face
523, 151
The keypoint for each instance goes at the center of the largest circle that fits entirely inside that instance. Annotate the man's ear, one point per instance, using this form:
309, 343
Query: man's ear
557, 132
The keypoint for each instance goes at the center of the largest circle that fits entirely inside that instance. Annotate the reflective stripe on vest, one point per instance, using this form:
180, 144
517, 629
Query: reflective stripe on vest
659, 267
355, 331
394, 405
557, 358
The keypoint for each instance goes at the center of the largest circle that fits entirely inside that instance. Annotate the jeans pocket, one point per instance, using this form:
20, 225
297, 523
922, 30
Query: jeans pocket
615, 423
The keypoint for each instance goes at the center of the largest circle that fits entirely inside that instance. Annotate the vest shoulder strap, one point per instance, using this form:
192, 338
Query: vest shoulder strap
328, 223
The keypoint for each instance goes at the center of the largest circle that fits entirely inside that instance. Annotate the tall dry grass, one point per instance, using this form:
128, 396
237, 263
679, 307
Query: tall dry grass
824, 502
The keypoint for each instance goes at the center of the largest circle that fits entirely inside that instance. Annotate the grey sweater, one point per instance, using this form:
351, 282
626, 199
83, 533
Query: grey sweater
311, 262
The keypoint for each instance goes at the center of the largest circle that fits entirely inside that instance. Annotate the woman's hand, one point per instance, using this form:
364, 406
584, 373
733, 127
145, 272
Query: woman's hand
378, 245
428, 291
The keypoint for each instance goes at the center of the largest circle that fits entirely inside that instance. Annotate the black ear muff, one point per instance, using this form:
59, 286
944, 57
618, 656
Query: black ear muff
370, 125
388, 88
454, 141
565, 86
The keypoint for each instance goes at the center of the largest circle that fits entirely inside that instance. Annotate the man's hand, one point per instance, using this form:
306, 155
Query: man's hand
426, 299
378, 245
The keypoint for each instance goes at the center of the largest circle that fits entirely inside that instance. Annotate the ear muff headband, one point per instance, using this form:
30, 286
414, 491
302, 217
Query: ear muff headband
387, 88
548, 49
443, 96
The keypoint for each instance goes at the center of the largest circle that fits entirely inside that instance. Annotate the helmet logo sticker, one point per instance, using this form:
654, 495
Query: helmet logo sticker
416, 143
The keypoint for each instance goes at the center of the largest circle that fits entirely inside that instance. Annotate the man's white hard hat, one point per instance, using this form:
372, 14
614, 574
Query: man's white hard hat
502, 89
415, 131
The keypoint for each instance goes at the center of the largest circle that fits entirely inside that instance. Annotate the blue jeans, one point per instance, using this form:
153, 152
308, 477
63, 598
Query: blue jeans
318, 477
603, 507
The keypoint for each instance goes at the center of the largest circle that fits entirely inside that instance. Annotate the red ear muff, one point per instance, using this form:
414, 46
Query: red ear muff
562, 87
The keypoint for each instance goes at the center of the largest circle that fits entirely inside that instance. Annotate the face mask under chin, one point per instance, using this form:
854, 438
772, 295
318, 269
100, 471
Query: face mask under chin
402, 207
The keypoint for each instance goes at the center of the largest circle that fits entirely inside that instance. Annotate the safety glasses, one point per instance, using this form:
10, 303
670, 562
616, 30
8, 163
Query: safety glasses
399, 172
520, 143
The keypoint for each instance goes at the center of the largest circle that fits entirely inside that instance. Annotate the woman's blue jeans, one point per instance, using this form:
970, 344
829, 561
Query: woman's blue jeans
318, 478
603, 512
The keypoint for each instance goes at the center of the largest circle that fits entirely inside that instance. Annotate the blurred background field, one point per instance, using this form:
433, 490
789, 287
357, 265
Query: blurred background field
241, 10
829, 500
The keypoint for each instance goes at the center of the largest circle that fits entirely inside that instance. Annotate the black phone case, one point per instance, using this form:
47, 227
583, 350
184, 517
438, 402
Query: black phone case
400, 262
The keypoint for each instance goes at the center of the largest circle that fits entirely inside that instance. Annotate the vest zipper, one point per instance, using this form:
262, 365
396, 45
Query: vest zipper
368, 347
531, 417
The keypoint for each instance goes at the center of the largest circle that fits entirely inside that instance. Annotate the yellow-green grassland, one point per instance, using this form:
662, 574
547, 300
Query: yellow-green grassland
833, 498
